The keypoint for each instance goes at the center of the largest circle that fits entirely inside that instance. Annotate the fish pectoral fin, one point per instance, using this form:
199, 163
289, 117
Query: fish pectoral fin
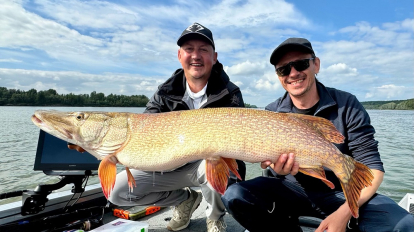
107, 175
217, 173
131, 180
232, 164
317, 172
76, 147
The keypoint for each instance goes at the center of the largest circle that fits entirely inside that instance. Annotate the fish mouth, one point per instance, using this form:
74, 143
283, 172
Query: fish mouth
36, 120
62, 133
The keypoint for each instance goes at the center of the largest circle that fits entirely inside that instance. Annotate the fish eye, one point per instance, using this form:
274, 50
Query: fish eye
80, 116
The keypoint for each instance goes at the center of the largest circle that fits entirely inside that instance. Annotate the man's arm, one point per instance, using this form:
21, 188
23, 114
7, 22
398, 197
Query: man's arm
155, 104
339, 219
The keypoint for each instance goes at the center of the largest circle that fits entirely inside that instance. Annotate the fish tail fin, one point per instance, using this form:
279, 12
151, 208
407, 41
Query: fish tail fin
359, 178
217, 172
131, 180
107, 175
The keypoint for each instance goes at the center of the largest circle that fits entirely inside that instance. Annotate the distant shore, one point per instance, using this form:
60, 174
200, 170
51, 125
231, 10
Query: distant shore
13, 97
389, 105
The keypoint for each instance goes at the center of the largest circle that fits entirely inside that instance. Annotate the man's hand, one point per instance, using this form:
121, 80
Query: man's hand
337, 221
284, 165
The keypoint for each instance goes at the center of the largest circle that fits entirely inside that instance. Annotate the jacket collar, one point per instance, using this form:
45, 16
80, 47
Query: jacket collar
325, 100
174, 87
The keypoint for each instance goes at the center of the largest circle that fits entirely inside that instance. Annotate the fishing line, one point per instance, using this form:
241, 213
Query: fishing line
153, 178
86, 182
64, 208
271, 211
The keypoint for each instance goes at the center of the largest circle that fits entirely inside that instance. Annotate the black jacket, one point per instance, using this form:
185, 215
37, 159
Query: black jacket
221, 92
350, 118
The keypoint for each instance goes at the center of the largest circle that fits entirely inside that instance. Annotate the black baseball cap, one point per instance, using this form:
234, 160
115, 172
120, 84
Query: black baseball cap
196, 31
291, 44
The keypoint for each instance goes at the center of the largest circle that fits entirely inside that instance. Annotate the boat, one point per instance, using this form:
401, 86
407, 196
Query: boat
84, 207
407, 202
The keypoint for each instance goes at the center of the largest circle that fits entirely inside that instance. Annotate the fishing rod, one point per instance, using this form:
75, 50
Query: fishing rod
33, 201
12, 194
87, 218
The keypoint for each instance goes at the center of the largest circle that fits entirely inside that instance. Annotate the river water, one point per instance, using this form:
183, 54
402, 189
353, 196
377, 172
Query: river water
19, 136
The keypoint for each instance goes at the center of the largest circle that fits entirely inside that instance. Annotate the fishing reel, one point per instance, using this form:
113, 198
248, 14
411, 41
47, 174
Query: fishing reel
33, 203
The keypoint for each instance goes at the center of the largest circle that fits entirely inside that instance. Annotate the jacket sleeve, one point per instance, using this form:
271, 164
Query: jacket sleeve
155, 104
236, 95
360, 132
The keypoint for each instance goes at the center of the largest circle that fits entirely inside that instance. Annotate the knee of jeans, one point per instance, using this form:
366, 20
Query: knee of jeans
233, 192
118, 197
114, 198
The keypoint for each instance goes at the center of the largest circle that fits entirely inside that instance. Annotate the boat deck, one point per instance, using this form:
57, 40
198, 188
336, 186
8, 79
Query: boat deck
158, 221
92, 202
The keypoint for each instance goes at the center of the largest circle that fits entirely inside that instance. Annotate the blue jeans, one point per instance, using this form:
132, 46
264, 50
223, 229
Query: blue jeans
265, 202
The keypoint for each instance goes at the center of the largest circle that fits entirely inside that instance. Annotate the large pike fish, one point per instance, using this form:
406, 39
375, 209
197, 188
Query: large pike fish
165, 141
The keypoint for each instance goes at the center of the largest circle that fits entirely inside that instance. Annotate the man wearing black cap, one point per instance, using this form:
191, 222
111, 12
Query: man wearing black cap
283, 194
200, 83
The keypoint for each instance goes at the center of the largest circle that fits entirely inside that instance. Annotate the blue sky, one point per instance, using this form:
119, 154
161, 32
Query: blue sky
129, 47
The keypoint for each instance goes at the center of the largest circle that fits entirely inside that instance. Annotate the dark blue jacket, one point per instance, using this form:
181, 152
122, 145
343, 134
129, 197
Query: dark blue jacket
350, 118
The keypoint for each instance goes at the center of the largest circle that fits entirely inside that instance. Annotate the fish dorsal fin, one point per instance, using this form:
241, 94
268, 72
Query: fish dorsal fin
324, 126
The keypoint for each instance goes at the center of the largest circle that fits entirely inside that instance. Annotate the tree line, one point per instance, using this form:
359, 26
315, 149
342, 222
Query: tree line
389, 105
16, 97
13, 97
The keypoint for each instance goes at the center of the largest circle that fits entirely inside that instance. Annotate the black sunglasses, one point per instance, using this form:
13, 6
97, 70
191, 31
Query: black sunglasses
299, 65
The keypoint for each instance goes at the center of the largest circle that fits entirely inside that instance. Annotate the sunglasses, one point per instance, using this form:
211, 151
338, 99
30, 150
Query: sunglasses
299, 65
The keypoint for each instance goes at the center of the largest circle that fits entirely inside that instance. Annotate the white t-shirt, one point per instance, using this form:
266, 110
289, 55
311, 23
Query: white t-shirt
197, 99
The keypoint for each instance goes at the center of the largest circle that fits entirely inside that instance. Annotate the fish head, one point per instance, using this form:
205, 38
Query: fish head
99, 133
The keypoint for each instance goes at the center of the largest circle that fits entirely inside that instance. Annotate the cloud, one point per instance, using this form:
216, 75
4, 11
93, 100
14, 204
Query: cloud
251, 13
90, 14
342, 68
10, 60
390, 92
267, 83
337, 74
255, 75
23, 29
121, 40
246, 68
79, 45
257, 80
367, 56
405, 25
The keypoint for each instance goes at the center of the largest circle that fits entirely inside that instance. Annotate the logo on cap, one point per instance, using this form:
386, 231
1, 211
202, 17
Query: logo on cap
194, 28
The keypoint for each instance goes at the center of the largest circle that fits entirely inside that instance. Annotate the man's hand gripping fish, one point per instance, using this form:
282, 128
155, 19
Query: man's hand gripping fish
164, 141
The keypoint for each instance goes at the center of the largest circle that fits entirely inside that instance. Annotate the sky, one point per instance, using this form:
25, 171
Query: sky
129, 47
